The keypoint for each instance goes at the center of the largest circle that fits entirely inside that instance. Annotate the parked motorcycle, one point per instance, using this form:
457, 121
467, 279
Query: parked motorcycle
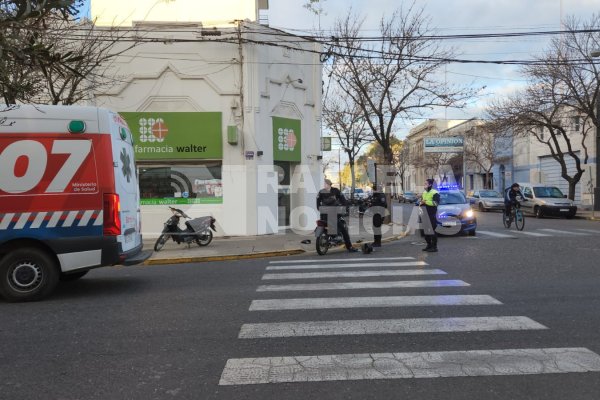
196, 230
325, 240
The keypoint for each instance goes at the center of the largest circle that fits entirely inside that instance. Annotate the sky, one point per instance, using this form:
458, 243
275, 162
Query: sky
453, 17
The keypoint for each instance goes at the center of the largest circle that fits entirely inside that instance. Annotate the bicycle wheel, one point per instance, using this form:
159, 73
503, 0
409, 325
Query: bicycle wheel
519, 220
505, 221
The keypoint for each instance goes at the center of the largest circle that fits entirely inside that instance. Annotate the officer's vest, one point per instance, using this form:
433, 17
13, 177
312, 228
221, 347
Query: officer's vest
428, 197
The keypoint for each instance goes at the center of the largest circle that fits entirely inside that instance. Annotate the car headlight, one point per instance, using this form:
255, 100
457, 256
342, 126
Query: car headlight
468, 213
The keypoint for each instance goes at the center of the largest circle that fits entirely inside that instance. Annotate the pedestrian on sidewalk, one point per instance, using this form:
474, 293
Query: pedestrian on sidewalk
379, 206
430, 200
329, 201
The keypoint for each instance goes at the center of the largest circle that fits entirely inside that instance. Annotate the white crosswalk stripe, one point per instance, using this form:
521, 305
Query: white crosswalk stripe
386, 326
360, 302
351, 274
362, 285
392, 365
540, 232
529, 233
561, 232
245, 371
596, 231
347, 265
495, 234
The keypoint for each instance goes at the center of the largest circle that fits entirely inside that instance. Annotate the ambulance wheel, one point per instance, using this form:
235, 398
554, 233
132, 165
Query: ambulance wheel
73, 276
160, 242
27, 274
204, 238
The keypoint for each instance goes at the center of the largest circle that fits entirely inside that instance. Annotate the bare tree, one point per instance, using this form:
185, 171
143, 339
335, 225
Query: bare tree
482, 150
563, 91
392, 77
528, 114
86, 70
402, 162
345, 119
570, 60
432, 163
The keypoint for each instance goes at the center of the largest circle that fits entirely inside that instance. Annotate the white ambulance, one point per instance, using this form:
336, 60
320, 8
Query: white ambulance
69, 196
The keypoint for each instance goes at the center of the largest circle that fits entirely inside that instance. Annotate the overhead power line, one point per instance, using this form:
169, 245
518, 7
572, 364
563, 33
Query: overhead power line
289, 41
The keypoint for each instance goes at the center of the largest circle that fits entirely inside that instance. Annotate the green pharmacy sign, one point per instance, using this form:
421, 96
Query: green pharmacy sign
176, 135
286, 139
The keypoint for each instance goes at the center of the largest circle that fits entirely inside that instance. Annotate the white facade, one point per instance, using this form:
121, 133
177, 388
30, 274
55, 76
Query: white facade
418, 169
521, 158
249, 83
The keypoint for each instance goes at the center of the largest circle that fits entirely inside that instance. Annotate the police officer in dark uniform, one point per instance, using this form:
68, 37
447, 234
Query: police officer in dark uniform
379, 206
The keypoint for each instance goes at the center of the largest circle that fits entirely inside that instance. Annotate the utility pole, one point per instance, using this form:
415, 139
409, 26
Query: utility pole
596, 54
597, 186
339, 169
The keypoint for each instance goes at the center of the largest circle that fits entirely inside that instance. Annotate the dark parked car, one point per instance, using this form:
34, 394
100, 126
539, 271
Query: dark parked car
486, 200
408, 197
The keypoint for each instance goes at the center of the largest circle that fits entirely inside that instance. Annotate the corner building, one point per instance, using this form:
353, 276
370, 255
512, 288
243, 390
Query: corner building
225, 112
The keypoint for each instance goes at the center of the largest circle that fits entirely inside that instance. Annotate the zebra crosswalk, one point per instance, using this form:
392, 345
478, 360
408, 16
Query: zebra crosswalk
540, 232
277, 368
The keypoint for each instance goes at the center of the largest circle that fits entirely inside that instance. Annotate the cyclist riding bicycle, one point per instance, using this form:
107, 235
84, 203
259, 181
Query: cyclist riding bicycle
510, 199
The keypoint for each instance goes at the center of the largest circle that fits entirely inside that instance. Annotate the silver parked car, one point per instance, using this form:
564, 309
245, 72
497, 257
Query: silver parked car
486, 200
546, 200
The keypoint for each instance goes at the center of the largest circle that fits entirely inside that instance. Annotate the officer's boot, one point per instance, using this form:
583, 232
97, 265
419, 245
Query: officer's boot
428, 240
376, 240
433, 247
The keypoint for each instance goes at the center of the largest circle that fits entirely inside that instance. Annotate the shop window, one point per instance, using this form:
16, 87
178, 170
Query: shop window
181, 184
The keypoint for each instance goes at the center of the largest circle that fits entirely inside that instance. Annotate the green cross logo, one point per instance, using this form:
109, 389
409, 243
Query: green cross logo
126, 169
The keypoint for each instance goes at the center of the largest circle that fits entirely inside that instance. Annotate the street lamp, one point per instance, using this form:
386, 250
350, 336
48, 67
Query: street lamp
596, 53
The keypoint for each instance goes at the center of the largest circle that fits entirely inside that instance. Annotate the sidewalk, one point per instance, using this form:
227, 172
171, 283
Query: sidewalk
284, 243
281, 244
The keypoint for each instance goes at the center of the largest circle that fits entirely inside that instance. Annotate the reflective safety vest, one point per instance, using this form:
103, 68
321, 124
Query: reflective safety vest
428, 197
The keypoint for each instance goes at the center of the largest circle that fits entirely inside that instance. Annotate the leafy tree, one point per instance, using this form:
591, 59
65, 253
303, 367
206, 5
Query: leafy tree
22, 26
50, 57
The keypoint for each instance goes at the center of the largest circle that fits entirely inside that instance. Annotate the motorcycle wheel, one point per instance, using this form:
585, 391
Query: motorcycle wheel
204, 238
322, 244
160, 242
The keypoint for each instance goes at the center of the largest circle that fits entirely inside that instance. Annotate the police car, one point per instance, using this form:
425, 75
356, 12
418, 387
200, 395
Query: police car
454, 213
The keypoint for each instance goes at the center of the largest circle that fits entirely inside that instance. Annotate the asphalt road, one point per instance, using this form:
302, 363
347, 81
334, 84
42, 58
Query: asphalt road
171, 332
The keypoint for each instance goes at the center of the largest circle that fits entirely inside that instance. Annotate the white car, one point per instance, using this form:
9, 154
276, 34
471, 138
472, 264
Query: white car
546, 200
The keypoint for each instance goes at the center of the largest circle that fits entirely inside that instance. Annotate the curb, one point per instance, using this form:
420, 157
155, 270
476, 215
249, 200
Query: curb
233, 257
185, 260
